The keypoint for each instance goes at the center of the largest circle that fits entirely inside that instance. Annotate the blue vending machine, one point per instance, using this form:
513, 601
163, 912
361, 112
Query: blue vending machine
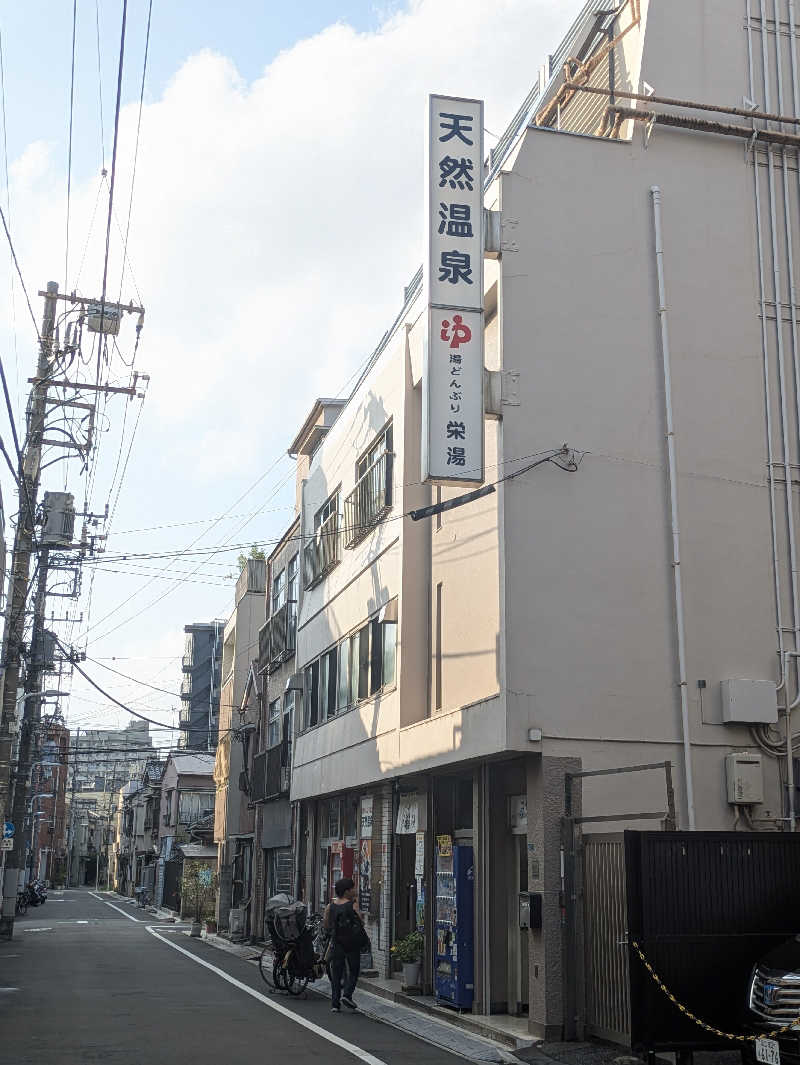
454, 928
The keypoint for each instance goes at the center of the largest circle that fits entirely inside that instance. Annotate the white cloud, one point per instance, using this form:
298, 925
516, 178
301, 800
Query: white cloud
274, 226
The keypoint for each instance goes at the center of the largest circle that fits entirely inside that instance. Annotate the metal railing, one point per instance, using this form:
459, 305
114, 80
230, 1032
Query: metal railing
186, 663
276, 639
369, 500
322, 552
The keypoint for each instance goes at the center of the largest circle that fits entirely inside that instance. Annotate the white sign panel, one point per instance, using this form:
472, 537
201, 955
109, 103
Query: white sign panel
452, 444
366, 817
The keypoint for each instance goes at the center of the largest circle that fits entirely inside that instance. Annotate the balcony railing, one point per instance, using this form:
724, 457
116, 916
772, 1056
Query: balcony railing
323, 552
369, 500
186, 663
186, 685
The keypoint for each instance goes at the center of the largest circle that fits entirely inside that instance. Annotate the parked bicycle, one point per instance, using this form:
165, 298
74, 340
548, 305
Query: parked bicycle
297, 948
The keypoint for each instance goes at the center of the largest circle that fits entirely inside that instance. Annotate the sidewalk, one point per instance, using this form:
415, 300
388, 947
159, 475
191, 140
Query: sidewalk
441, 1031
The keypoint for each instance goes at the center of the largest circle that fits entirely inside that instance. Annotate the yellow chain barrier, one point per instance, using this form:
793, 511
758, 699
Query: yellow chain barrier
702, 1024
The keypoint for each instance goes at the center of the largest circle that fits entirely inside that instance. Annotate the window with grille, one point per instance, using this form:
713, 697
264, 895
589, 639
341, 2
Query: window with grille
274, 723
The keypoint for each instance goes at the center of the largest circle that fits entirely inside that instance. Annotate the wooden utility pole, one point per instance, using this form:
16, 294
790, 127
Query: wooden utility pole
14, 633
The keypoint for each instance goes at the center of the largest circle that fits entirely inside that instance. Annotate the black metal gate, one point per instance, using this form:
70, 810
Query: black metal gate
173, 871
704, 907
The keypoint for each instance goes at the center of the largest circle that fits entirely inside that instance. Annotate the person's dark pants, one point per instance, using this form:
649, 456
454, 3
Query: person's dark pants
340, 958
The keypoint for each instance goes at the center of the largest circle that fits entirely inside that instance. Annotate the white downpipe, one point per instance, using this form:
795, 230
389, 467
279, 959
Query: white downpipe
778, 296
673, 500
767, 394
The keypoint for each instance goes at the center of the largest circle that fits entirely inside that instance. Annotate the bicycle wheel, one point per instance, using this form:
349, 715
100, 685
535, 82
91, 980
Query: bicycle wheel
295, 981
270, 970
295, 984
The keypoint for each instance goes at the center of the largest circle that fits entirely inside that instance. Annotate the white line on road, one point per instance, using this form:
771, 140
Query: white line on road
113, 907
362, 1055
40, 929
3, 990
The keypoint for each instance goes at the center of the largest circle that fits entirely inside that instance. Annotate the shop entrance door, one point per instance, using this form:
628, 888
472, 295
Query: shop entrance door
518, 996
405, 904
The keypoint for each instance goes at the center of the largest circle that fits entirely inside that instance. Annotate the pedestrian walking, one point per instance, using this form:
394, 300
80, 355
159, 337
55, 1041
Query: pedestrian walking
348, 937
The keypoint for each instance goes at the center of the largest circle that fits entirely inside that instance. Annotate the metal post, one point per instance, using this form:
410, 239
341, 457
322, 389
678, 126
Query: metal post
673, 499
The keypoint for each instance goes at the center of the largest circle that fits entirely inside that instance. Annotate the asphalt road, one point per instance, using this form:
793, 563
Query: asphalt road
90, 979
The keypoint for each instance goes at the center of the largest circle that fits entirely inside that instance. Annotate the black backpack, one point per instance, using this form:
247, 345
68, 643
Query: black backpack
348, 931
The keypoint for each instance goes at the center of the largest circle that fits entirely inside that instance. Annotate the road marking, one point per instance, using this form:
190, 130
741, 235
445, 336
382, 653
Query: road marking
41, 929
81, 922
113, 907
357, 1052
3, 990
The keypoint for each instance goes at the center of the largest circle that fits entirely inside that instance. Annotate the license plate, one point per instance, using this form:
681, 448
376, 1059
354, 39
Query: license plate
768, 1051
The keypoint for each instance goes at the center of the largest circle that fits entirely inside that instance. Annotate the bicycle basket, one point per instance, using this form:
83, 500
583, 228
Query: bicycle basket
287, 923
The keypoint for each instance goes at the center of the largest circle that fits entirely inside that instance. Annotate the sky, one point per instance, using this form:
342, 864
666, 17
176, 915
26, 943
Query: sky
275, 217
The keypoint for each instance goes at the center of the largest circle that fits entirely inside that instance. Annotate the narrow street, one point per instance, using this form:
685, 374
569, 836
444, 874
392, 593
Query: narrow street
88, 978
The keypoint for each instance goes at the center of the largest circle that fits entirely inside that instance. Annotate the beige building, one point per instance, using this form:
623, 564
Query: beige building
234, 817
628, 594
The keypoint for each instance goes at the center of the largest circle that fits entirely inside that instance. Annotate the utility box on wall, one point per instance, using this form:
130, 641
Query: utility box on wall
745, 778
749, 702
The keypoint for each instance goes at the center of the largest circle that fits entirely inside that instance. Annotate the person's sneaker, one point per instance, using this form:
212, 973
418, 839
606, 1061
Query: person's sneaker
349, 1003
335, 1009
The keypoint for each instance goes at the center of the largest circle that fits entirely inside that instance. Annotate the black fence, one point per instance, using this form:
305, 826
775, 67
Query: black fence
704, 907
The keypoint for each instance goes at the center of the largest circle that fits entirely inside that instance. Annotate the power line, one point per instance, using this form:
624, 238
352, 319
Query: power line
8, 206
127, 676
19, 273
100, 84
113, 177
69, 153
136, 148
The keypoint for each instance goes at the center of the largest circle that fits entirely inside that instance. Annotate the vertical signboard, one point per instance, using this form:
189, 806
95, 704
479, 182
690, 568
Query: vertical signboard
452, 384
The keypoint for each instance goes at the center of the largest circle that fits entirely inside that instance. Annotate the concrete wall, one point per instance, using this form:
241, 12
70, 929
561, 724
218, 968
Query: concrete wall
588, 586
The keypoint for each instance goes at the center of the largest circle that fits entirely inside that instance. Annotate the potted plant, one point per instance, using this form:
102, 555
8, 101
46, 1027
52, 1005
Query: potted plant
198, 889
408, 952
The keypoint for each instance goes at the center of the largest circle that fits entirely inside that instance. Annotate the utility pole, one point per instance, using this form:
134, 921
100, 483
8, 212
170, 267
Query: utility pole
71, 829
15, 623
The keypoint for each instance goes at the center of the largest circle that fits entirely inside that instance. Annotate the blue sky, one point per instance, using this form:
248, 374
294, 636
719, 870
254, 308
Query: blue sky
37, 78
276, 217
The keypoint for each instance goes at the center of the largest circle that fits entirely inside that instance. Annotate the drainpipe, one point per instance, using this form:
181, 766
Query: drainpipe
673, 492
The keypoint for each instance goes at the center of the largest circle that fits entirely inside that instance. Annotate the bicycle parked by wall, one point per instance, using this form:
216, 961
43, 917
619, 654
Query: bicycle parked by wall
294, 955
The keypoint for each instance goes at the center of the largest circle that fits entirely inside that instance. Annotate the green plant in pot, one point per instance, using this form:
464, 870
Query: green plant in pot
198, 891
408, 952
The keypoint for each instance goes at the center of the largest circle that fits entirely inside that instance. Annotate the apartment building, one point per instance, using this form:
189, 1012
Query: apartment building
627, 593
278, 840
234, 818
200, 686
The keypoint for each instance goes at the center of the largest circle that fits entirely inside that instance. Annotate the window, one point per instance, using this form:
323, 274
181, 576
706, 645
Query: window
343, 695
381, 446
293, 592
372, 495
321, 553
293, 571
327, 510
389, 653
361, 665
327, 685
278, 591
288, 724
311, 695
194, 805
274, 723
